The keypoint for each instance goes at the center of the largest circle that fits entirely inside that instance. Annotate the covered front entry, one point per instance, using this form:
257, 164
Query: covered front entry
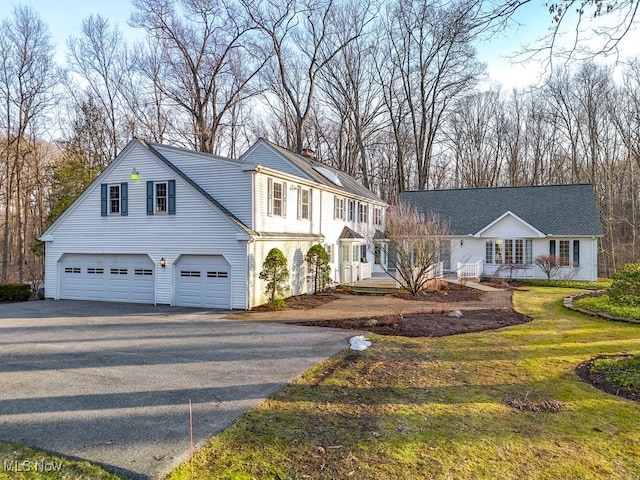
203, 281
112, 278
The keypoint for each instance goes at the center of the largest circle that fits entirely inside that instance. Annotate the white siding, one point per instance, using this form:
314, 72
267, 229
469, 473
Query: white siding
222, 178
289, 223
473, 250
294, 251
196, 228
510, 227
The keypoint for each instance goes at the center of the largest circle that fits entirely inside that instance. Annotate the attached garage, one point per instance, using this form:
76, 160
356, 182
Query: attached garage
203, 281
112, 278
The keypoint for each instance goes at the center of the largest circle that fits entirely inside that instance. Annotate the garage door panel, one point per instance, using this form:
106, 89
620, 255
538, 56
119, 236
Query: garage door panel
203, 281
108, 278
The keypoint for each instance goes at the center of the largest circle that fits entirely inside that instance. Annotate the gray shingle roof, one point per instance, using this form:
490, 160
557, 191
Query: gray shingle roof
306, 164
552, 209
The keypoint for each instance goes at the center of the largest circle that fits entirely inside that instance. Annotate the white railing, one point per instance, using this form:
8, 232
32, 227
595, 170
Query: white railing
352, 272
365, 270
470, 270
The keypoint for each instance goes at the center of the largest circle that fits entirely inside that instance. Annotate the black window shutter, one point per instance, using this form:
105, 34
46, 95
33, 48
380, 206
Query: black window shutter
149, 198
124, 199
171, 186
552, 247
103, 199
576, 253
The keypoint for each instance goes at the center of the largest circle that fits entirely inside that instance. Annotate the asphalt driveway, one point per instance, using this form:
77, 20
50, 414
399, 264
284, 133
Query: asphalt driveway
111, 383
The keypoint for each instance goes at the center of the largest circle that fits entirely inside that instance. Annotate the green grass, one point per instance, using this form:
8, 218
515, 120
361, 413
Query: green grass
23, 463
604, 304
624, 372
601, 284
435, 408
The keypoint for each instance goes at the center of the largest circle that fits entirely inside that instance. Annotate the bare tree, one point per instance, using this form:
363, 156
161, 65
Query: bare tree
99, 57
415, 244
27, 77
431, 61
204, 69
350, 89
549, 264
302, 37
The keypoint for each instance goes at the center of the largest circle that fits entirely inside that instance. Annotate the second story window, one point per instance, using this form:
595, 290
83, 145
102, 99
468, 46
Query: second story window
277, 198
161, 197
114, 199
338, 208
352, 211
377, 216
304, 203
363, 212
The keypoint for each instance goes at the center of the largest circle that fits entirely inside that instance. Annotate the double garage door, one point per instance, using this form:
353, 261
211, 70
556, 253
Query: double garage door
113, 278
199, 280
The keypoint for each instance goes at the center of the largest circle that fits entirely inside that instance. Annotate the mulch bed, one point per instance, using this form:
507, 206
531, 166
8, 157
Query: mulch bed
453, 293
301, 302
597, 380
427, 324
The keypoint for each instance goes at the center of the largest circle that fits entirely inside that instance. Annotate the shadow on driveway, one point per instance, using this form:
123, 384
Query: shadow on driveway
111, 383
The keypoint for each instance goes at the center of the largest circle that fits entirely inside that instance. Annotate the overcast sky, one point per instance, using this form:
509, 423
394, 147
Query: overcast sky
64, 18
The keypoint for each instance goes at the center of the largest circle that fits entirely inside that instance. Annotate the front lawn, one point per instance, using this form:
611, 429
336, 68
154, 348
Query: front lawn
439, 408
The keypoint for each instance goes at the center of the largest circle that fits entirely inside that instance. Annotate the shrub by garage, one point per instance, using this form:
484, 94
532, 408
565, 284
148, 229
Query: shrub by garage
14, 292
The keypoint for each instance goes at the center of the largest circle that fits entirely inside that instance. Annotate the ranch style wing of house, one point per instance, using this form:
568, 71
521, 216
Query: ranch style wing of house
500, 231
165, 225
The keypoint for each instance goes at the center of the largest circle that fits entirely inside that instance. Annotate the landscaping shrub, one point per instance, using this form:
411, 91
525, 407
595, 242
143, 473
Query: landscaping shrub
276, 274
625, 288
14, 292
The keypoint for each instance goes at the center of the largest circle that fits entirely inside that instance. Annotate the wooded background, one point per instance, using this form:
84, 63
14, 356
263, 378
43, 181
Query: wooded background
388, 91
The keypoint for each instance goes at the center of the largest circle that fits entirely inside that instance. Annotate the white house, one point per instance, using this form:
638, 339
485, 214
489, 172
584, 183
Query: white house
164, 225
502, 230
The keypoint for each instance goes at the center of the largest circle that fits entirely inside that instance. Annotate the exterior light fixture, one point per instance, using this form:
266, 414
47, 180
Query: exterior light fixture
163, 262
461, 242
134, 174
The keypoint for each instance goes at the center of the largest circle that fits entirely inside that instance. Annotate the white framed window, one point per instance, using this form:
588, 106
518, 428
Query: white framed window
114, 199
160, 197
517, 251
277, 198
563, 252
338, 208
304, 203
363, 212
377, 216
352, 211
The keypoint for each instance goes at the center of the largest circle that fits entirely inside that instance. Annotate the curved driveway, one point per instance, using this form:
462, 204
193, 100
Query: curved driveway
111, 383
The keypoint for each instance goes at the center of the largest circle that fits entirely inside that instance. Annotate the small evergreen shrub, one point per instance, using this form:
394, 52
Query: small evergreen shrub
625, 288
14, 292
276, 274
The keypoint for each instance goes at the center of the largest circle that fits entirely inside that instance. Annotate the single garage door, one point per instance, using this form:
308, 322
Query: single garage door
112, 278
203, 281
